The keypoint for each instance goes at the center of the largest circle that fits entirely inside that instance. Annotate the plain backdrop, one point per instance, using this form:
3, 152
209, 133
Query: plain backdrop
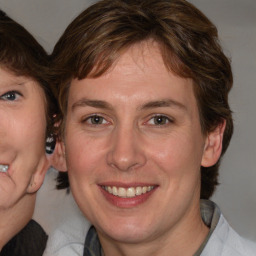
236, 22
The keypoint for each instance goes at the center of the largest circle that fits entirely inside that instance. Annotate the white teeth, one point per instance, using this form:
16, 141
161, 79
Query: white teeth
127, 192
115, 193
110, 190
138, 191
130, 192
122, 192
4, 168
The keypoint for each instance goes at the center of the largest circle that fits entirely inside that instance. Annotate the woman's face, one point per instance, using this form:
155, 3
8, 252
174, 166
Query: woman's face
23, 161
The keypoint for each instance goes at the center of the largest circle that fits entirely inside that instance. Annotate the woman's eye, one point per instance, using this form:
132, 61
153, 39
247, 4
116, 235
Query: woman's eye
10, 96
159, 120
96, 120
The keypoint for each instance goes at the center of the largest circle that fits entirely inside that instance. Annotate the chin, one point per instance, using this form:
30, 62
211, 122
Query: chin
127, 232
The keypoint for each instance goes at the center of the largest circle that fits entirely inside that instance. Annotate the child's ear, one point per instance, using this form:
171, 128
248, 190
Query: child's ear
213, 146
57, 158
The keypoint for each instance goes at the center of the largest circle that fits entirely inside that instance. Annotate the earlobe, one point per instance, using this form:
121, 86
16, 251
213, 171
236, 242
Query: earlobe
213, 146
37, 178
57, 158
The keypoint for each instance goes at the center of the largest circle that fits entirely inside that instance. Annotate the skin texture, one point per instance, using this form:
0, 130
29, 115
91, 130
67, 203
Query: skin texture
22, 147
138, 125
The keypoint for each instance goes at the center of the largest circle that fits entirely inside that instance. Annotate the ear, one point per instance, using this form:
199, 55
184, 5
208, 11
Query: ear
57, 159
213, 146
37, 178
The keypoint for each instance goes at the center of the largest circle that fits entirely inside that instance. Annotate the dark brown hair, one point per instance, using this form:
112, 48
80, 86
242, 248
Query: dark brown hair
189, 46
22, 55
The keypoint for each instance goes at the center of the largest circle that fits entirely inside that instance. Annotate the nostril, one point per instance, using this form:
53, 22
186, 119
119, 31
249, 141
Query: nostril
125, 152
126, 163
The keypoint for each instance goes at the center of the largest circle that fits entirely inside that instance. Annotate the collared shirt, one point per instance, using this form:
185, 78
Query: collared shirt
210, 214
221, 240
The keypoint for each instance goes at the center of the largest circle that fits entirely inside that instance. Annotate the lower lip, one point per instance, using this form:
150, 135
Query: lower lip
127, 202
4, 172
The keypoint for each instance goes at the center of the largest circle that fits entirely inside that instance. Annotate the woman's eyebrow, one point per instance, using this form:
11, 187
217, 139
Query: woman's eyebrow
91, 103
12, 85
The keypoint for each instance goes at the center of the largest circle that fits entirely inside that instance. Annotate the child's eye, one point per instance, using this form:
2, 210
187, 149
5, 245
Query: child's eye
95, 120
10, 96
159, 120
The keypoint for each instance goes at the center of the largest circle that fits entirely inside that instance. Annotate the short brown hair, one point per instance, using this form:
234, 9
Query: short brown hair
22, 55
189, 46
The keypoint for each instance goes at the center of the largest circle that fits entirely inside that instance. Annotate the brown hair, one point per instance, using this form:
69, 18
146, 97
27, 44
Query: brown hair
189, 46
21, 54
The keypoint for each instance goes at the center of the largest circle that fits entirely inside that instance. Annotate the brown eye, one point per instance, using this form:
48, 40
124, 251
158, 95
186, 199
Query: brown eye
160, 120
96, 120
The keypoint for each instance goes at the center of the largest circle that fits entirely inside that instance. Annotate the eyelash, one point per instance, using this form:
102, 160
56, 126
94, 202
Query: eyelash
167, 120
102, 121
16, 95
88, 120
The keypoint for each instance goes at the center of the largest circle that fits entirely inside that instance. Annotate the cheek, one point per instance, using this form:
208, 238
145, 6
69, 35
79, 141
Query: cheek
178, 155
26, 131
33, 132
82, 154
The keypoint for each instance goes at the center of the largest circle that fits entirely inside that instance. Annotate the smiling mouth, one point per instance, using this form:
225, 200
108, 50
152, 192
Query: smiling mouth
127, 192
4, 168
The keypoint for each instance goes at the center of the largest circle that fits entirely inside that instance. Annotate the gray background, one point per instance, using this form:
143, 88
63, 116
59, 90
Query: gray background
236, 21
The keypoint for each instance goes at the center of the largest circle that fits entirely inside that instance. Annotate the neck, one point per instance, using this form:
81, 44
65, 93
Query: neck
184, 239
15, 218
